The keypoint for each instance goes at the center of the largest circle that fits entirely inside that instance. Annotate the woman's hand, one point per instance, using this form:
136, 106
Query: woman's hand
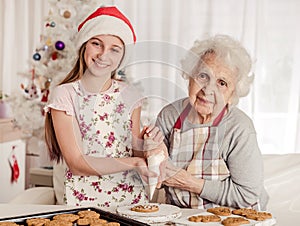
180, 178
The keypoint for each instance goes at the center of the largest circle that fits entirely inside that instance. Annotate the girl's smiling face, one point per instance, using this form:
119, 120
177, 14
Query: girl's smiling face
103, 54
211, 87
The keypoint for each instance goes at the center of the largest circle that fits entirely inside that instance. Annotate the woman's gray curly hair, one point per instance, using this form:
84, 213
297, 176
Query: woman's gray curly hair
229, 51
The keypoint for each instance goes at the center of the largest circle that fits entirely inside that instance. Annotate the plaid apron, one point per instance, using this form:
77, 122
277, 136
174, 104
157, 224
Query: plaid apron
197, 151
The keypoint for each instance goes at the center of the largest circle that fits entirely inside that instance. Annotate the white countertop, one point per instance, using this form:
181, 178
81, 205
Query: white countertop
14, 210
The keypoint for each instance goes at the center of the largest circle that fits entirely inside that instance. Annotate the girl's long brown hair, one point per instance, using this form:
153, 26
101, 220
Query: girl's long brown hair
50, 138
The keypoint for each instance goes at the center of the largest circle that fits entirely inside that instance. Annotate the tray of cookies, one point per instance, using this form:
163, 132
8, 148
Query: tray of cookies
230, 217
88, 216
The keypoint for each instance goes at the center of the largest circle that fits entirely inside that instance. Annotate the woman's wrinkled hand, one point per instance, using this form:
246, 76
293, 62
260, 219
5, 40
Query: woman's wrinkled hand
182, 179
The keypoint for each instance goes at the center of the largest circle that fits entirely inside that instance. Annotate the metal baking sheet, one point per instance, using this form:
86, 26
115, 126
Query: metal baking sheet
110, 217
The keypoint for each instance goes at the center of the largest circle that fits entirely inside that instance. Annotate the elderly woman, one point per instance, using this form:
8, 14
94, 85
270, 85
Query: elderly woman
214, 158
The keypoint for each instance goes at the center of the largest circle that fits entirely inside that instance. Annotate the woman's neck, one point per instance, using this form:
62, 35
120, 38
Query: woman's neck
94, 84
195, 118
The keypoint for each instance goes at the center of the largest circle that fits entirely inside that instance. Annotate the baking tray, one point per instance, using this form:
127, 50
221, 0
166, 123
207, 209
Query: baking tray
110, 217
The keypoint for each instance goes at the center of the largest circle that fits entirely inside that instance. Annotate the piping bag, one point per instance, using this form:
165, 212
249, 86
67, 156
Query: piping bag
153, 162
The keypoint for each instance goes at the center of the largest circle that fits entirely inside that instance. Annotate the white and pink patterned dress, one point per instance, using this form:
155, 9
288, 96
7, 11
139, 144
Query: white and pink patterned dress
105, 124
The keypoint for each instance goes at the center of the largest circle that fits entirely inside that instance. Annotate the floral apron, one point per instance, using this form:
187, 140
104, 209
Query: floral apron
197, 151
105, 126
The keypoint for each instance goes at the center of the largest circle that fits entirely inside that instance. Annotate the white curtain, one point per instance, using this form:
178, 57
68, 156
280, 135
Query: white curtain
21, 23
166, 30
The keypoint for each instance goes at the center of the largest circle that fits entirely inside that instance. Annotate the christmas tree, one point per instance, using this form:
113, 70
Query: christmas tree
50, 63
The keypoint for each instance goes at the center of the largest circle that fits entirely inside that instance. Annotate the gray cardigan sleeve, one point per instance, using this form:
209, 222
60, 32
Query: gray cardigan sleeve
244, 186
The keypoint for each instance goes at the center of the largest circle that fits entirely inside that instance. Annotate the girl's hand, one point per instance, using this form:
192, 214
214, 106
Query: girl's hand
153, 140
148, 140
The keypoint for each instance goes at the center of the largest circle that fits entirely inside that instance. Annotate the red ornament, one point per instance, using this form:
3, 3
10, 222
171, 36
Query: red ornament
54, 56
15, 170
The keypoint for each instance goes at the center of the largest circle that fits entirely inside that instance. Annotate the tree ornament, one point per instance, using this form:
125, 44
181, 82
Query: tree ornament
48, 42
45, 47
45, 94
45, 91
67, 14
15, 170
36, 56
54, 56
31, 90
59, 45
52, 24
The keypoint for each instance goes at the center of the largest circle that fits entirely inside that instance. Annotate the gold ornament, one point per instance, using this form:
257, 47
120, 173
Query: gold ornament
67, 14
48, 42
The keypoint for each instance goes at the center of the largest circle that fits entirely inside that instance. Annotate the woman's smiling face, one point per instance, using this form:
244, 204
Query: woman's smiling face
211, 86
103, 54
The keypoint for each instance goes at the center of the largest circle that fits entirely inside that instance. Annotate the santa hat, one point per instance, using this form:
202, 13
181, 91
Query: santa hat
106, 20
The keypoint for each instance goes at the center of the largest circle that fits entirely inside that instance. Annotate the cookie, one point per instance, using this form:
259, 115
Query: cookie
234, 221
145, 208
259, 216
204, 218
8, 224
97, 220
88, 221
66, 217
58, 223
88, 214
83, 221
220, 211
37, 221
243, 211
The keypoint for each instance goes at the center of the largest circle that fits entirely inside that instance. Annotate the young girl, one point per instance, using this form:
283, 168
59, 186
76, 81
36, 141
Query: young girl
92, 118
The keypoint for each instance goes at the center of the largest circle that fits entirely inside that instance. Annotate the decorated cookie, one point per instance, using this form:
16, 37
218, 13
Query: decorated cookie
145, 208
